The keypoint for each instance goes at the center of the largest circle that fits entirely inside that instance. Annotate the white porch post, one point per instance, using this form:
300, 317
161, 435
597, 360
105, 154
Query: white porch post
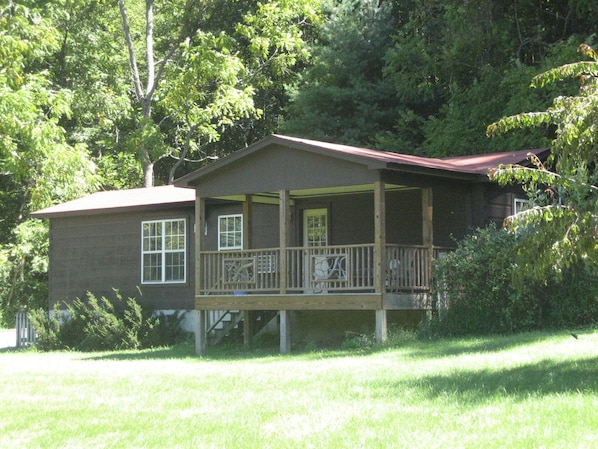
380, 257
284, 235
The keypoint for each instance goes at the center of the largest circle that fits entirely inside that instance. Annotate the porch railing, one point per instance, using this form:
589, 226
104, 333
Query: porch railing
347, 268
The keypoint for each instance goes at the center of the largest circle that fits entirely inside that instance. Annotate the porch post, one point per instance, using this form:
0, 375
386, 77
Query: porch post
428, 227
284, 236
247, 222
201, 337
380, 256
247, 244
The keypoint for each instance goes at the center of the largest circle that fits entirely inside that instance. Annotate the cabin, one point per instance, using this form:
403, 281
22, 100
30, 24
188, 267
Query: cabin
295, 236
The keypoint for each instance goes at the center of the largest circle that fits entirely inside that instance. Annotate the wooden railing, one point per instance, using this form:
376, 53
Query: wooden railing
347, 268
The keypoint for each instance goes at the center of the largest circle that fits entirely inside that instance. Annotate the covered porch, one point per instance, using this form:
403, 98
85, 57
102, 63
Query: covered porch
290, 224
376, 276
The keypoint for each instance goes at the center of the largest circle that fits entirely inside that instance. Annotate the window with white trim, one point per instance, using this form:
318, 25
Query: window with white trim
230, 232
163, 251
521, 204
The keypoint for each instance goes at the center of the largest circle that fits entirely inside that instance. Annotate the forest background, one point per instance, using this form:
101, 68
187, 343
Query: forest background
99, 95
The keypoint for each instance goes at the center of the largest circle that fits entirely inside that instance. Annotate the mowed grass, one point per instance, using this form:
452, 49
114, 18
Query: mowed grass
527, 391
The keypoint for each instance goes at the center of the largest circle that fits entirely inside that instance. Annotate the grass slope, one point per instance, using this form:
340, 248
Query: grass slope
532, 390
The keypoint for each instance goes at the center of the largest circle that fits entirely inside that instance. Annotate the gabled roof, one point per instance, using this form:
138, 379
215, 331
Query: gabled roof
119, 200
374, 159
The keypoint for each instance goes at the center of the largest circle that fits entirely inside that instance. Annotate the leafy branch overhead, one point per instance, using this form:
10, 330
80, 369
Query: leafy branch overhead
564, 192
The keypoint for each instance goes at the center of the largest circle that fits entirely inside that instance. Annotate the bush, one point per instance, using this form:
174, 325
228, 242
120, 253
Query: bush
477, 282
104, 324
571, 299
487, 292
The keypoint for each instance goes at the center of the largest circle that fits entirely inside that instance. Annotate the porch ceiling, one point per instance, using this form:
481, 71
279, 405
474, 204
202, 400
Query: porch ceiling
272, 197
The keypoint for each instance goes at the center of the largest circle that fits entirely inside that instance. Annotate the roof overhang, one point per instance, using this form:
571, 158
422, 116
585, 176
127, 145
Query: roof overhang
117, 201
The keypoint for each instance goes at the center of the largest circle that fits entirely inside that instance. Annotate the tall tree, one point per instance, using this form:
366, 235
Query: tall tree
37, 166
344, 96
187, 44
562, 227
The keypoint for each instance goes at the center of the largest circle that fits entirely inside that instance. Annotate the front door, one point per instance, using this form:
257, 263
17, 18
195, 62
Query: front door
315, 234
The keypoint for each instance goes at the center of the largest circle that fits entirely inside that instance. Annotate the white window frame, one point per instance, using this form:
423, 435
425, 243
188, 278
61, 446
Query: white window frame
162, 252
235, 231
521, 204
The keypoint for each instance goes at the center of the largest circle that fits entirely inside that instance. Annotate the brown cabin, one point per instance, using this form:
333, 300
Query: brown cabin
288, 233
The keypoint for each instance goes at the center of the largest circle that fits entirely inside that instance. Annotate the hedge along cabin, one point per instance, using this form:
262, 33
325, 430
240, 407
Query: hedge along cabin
300, 236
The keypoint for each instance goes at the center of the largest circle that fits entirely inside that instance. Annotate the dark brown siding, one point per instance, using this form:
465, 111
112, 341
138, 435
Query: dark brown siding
279, 167
499, 202
452, 213
100, 253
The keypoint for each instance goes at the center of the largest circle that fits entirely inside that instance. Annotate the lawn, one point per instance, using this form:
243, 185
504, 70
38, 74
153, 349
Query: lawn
527, 391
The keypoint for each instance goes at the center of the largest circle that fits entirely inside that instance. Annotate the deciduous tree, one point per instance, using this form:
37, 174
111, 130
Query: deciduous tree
562, 227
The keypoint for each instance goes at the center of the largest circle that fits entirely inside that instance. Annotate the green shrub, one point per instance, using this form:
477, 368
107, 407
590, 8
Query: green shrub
103, 324
487, 292
571, 299
477, 282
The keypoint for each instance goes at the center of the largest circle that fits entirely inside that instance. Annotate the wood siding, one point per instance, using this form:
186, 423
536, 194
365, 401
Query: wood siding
100, 253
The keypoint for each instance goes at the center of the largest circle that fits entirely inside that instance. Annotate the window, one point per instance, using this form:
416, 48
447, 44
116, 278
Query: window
230, 232
521, 204
163, 250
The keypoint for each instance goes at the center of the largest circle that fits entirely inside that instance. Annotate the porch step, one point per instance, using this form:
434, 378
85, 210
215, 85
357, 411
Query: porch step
230, 325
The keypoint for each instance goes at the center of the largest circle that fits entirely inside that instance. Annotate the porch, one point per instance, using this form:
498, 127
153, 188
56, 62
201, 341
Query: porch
339, 277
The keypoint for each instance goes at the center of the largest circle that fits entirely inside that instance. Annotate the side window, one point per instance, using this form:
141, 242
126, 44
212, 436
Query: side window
163, 251
519, 205
230, 232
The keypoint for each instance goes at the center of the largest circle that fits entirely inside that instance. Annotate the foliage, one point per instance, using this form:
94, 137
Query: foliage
103, 324
23, 270
562, 227
486, 290
476, 281
343, 96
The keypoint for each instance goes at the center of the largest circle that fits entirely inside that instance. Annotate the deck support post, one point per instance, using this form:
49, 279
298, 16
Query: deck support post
380, 256
285, 331
201, 337
248, 328
381, 326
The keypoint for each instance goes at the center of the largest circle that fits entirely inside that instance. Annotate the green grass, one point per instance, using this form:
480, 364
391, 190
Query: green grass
528, 391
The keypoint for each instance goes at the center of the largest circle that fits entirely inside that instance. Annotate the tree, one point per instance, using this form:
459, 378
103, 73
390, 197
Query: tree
561, 228
37, 166
343, 96
191, 51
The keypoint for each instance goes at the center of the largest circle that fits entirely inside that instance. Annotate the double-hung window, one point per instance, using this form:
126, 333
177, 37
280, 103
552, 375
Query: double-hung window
163, 251
230, 232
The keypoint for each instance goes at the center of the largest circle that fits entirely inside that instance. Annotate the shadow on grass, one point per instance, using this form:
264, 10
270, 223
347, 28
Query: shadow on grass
472, 345
539, 379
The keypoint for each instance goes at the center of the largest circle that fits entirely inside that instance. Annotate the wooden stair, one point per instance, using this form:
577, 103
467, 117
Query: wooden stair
230, 325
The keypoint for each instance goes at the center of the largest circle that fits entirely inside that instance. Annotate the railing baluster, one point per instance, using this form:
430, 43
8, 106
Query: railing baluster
349, 268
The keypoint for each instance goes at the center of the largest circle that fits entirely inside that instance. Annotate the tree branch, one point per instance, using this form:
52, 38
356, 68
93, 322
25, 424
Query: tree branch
132, 57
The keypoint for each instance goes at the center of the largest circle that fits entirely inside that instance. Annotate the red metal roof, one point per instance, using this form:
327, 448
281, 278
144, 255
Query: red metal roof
116, 200
102, 202
473, 164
